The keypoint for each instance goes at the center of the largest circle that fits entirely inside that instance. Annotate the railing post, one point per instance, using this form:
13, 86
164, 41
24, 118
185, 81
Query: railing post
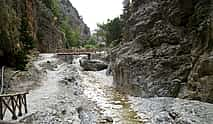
20, 105
25, 103
89, 56
2, 80
14, 117
1, 109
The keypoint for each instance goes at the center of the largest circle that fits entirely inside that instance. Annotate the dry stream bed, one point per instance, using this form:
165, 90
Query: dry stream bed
66, 94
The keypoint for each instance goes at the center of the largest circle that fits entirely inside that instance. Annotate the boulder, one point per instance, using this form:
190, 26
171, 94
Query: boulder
93, 65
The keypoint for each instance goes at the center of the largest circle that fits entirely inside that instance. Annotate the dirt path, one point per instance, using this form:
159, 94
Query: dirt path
59, 99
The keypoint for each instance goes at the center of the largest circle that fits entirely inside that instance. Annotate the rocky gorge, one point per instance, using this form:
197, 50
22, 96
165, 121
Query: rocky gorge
62, 92
161, 72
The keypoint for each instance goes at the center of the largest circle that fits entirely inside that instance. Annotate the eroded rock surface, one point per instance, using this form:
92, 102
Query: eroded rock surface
167, 49
173, 111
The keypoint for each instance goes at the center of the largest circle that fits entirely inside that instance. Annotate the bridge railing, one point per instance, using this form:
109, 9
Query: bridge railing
91, 50
11, 103
14, 103
2, 80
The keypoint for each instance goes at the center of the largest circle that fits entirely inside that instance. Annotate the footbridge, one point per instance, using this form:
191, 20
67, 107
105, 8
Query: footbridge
71, 52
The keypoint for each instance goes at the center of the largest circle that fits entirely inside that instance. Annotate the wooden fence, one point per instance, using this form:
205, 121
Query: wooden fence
91, 50
14, 104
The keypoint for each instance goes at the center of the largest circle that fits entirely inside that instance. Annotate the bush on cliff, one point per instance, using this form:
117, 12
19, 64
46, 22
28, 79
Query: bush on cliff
53, 5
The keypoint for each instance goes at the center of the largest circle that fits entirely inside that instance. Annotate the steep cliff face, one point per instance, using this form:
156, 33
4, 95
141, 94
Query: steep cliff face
10, 42
33, 23
168, 49
74, 19
49, 36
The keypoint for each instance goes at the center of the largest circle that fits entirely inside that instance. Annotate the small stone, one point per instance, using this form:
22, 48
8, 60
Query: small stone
108, 119
63, 112
75, 93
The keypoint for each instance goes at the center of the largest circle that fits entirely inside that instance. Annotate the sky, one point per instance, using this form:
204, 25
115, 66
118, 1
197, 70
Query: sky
97, 11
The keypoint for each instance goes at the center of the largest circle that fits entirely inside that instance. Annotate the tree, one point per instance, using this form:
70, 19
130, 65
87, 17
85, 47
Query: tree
111, 31
26, 36
72, 35
13, 53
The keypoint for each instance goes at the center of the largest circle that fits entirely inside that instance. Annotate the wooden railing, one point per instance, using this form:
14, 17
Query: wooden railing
14, 103
91, 50
2, 80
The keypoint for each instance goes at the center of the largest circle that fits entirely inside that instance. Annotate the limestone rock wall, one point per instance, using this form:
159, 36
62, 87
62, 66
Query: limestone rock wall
50, 38
42, 23
167, 49
74, 19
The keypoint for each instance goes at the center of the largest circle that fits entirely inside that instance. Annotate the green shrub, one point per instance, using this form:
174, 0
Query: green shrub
11, 31
53, 5
21, 60
111, 31
26, 36
72, 35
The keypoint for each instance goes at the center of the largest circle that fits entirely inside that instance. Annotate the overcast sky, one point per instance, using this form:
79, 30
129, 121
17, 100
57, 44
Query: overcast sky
97, 11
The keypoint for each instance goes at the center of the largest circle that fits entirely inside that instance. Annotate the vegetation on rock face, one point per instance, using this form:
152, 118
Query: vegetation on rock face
53, 5
72, 35
23, 22
15, 38
12, 48
26, 36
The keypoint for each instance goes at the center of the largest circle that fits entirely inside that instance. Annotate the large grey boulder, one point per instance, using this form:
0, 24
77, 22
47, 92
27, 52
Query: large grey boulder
93, 65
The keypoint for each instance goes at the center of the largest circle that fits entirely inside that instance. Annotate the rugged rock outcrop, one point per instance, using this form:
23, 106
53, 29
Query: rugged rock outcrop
40, 23
167, 49
49, 36
93, 65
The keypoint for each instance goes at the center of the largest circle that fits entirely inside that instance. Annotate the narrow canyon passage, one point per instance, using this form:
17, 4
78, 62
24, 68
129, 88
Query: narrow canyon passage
99, 88
106, 61
55, 101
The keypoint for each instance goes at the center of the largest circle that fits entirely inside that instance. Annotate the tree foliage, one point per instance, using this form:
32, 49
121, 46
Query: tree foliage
72, 35
53, 5
91, 43
26, 36
15, 37
10, 44
111, 31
